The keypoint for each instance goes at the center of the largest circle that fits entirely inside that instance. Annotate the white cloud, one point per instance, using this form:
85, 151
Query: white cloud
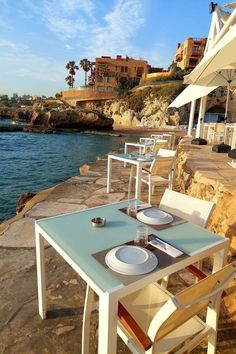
67, 18
75, 20
121, 24
13, 45
68, 46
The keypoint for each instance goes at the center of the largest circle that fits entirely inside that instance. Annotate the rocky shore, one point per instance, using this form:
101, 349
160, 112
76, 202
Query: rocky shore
47, 118
21, 329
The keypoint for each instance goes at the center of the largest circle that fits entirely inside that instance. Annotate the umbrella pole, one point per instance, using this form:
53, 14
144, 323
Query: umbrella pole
226, 108
227, 102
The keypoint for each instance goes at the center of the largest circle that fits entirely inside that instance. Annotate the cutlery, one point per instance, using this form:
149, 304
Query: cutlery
165, 246
156, 240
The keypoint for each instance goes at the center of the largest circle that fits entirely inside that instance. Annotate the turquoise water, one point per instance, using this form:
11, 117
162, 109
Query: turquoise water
32, 162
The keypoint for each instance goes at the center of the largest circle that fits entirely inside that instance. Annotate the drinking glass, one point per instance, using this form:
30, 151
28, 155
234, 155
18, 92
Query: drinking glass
132, 208
141, 236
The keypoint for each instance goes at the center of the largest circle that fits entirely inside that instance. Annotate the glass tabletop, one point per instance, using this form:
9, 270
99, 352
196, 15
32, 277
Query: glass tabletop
79, 240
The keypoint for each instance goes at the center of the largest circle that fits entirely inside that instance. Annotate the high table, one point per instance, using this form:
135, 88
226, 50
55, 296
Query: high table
131, 159
73, 237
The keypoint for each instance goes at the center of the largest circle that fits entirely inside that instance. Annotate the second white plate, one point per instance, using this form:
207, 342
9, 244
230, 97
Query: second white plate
154, 216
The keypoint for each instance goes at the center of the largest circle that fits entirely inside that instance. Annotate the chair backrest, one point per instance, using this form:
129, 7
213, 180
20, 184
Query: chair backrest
170, 138
157, 136
166, 152
189, 208
220, 128
161, 166
159, 144
190, 302
147, 140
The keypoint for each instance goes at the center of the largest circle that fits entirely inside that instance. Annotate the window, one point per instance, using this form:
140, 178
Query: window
100, 79
193, 62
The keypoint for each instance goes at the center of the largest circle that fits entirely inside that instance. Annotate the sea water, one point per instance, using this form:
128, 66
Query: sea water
32, 162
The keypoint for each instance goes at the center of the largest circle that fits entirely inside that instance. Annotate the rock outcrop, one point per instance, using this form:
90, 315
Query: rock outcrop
46, 118
71, 119
23, 199
22, 113
145, 107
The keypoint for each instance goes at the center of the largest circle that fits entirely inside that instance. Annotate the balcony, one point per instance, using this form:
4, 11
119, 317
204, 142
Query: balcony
179, 57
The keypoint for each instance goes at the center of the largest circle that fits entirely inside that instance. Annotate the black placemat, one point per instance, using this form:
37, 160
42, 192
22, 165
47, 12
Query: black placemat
164, 260
176, 220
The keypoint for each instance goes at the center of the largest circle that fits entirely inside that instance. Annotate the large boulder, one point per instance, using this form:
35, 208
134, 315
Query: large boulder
71, 119
15, 113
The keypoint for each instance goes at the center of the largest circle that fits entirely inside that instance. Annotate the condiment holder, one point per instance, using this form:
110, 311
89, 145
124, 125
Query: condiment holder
98, 222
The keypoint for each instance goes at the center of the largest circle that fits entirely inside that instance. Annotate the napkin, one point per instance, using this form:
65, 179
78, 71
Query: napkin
164, 246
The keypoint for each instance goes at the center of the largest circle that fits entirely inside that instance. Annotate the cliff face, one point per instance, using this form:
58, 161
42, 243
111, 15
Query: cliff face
146, 107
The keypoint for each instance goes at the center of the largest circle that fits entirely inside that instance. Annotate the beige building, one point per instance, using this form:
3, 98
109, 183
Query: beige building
108, 70
190, 53
103, 82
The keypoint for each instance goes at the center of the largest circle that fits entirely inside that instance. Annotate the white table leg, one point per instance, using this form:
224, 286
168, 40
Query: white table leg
40, 274
220, 258
109, 169
125, 153
138, 181
88, 308
107, 339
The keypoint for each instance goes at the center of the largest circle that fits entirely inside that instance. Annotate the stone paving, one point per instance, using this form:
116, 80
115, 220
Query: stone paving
21, 328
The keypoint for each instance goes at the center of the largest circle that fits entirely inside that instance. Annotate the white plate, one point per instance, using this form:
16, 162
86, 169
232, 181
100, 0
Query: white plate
154, 216
131, 260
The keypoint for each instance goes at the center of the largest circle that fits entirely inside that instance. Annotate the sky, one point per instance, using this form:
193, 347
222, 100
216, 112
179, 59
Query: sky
38, 37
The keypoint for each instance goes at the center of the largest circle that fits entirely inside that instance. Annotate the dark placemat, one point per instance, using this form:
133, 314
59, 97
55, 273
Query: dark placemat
176, 220
164, 260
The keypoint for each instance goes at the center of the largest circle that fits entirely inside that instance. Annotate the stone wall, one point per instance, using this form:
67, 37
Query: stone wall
207, 176
79, 96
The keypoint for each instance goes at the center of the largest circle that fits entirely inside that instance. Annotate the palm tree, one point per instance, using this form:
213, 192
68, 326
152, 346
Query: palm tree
86, 65
70, 80
104, 72
71, 67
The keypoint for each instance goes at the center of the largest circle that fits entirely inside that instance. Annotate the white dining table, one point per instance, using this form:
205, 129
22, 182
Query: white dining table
136, 160
142, 147
74, 238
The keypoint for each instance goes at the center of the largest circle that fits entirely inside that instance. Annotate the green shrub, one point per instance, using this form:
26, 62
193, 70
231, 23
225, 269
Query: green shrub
135, 99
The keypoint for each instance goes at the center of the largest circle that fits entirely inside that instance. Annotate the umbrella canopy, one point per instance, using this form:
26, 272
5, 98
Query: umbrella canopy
192, 92
224, 77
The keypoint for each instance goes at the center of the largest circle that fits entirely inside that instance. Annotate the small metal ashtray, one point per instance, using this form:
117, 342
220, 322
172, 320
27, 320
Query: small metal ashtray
98, 222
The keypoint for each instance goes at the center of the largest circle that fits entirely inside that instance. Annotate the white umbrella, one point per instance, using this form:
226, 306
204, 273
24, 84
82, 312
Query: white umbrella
190, 93
224, 77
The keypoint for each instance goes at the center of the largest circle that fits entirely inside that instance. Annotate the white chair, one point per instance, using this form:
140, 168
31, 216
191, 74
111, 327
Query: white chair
152, 320
216, 133
189, 208
192, 209
159, 144
171, 140
159, 173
